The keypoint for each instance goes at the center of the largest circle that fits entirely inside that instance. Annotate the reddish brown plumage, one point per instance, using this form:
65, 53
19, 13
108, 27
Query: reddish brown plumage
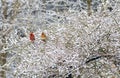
32, 36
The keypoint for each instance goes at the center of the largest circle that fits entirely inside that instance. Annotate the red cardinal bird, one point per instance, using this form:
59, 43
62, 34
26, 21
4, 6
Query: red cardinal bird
32, 36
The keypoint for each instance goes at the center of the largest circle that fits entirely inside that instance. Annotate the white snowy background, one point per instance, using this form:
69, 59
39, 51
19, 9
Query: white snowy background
76, 32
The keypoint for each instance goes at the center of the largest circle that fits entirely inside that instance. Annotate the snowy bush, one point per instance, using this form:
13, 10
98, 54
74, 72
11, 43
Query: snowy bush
82, 39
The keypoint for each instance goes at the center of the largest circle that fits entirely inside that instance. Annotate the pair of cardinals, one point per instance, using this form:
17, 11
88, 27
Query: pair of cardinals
32, 37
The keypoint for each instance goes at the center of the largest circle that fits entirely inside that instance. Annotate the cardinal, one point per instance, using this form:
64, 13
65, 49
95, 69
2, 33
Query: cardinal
43, 37
32, 36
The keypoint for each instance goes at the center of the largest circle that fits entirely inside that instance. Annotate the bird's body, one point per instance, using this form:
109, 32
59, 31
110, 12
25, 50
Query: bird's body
32, 36
43, 37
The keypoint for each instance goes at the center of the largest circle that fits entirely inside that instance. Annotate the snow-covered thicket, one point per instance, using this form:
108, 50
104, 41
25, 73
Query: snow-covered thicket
77, 31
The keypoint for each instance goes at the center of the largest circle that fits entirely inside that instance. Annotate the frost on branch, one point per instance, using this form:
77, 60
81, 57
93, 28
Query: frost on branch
82, 38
